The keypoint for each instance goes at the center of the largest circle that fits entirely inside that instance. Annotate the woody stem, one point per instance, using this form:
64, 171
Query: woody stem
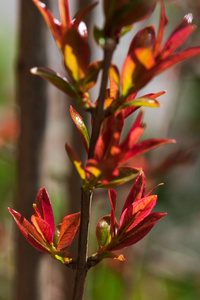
86, 196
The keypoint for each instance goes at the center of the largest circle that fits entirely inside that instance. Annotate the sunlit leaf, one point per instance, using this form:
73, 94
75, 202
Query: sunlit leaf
128, 69
53, 24
135, 213
43, 228
137, 191
176, 58
81, 128
68, 231
114, 77
178, 36
92, 75
76, 161
64, 15
76, 55
29, 232
44, 206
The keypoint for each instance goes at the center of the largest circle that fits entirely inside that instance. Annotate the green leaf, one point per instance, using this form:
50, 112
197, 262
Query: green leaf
81, 128
103, 231
56, 79
146, 102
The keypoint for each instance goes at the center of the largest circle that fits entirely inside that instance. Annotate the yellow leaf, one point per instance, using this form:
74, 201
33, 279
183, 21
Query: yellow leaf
146, 57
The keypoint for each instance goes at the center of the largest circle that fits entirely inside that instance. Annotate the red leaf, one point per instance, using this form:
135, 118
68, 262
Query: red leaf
178, 36
108, 142
145, 146
43, 228
135, 213
80, 15
64, 15
44, 207
133, 136
69, 229
29, 232
78, 120
53, 24
76, 55
176, 58
113, 201
114, 77
137, 191
163, 23
139, 232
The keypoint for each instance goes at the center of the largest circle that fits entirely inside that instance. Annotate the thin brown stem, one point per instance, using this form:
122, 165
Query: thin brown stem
98, 115
82, 268
86, 198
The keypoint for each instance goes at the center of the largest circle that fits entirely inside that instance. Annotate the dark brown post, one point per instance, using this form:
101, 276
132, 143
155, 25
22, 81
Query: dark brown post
31, 98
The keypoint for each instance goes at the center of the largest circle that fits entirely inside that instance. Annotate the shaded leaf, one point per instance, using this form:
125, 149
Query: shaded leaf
146, 102
56, 79
125, 174
81, 14
145, 146
139, 232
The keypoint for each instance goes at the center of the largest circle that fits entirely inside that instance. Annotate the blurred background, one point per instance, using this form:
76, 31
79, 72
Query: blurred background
33, 132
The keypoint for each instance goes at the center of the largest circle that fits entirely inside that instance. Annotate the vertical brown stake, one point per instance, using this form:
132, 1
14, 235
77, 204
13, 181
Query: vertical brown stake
31, 98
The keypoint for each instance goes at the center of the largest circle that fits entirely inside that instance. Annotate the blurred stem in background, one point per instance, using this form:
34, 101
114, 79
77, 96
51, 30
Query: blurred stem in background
32, 101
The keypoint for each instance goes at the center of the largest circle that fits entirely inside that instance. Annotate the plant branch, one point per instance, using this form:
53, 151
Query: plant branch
98, 115
81, 271
86, 197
